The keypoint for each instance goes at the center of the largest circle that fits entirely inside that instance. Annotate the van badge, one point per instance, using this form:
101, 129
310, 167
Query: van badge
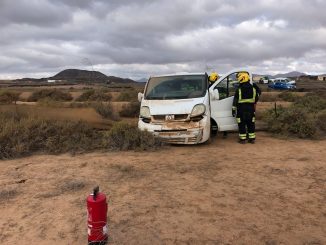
169, 117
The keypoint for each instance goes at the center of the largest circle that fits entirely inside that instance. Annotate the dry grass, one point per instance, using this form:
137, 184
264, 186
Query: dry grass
304, 118
128, 95
94, 95
49, 94
22, 134
72, 185
123, 136
106, 111
130, 110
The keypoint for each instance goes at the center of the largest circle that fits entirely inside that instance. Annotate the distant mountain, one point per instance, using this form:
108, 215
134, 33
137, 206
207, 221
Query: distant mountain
142, 80
290, 74
76, 75
79, 75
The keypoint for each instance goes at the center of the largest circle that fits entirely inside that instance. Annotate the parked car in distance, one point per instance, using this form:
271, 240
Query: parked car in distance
284, 80
281, 84
264, 80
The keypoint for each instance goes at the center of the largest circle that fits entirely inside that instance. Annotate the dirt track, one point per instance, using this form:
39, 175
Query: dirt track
274, 193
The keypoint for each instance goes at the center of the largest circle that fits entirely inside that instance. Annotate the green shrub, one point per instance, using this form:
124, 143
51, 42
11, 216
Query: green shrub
288, 96
106, 111
94, 95
49, 94
123, 136
8, 97
128, 95
130, 110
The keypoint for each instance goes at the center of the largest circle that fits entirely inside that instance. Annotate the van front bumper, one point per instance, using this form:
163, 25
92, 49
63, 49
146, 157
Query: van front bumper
176, 132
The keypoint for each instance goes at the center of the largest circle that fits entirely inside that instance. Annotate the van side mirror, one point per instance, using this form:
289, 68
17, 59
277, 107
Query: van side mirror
215, 94
140, 96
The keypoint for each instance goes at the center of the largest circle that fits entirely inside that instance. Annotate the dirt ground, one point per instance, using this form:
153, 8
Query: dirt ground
273, 192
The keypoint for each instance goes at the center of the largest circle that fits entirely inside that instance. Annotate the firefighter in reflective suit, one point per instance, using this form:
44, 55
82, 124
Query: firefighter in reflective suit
245, 98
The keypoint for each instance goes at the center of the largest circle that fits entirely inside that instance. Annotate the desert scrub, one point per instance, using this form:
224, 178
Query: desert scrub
123, 136
8, 97
128, 95
268, 97
106, 110
288, 96
49, 94
312, 102
321, 121
22, 135
130, 110
94, 95
305, 118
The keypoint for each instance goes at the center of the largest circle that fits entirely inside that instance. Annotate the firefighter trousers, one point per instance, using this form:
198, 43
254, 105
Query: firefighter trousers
246, 124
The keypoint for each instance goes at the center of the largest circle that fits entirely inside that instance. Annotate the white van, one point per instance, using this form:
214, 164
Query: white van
183, 109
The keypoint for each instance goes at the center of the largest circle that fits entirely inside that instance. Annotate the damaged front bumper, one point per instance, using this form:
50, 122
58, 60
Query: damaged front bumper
178, 132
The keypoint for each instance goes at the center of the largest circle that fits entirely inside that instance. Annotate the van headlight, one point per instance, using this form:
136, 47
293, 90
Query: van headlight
144, 112
198, 110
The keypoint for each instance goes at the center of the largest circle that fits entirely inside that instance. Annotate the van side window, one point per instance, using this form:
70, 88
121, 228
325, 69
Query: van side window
227, 86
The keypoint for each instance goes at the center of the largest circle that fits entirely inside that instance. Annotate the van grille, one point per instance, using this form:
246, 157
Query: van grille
177, 117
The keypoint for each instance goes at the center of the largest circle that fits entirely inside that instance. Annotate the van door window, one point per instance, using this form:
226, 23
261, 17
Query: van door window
226, 88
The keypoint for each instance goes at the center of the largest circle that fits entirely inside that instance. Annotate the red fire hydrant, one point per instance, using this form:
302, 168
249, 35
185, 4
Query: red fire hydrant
96, 216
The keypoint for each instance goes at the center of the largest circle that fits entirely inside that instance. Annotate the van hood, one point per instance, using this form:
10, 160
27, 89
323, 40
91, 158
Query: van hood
166, 107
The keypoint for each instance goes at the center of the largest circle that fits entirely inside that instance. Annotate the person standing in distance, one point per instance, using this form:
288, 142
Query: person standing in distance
245, 98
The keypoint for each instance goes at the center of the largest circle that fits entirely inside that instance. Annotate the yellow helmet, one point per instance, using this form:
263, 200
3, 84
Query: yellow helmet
243, 77
213, 77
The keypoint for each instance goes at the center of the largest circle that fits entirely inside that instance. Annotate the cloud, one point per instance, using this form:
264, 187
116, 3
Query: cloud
137, 38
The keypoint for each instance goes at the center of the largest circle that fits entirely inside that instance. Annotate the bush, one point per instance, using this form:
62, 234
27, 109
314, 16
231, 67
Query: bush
94, 95
8, 97
106, 111
288, 96
123, 136
49, 94
129, 95
305, 118
130, 110
311, 102
21, 135
321, 121
48, 102
291, 121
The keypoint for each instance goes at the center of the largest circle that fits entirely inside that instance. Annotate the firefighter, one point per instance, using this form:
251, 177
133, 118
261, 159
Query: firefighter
213, 78
245, 99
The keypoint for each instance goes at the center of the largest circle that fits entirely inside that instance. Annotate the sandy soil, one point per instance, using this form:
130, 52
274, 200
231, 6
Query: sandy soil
273, 192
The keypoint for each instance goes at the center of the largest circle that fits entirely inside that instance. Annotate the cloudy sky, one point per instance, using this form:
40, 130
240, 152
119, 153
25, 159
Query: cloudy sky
135, 39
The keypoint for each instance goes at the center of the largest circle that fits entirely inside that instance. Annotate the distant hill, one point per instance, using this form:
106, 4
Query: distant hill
290, 74
76, 75
142, 80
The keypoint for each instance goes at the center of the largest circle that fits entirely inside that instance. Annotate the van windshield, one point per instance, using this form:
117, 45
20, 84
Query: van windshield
176, 87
